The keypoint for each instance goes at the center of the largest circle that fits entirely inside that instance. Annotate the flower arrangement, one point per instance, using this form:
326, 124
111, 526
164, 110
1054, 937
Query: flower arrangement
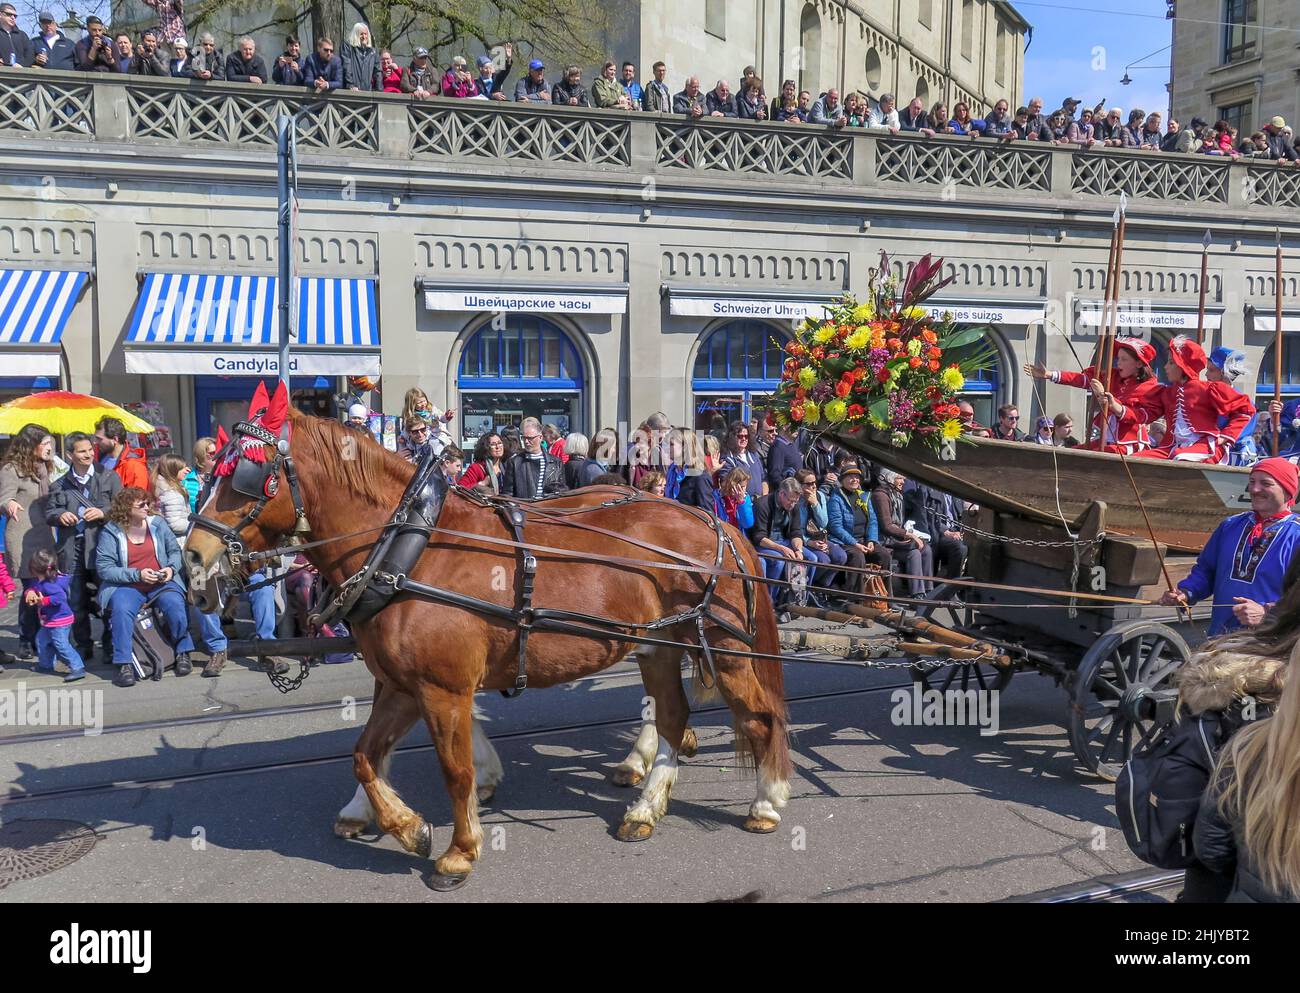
885, 363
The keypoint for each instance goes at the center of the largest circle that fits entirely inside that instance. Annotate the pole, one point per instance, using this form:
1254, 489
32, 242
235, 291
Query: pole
1200, 307
1112, 293
1277, 344
1102, 318
284, 212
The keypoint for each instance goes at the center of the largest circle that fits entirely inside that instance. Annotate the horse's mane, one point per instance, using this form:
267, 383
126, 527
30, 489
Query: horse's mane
366, 474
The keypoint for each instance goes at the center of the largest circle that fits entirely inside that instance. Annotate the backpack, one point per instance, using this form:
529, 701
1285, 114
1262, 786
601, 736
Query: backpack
151, 652
1158, 792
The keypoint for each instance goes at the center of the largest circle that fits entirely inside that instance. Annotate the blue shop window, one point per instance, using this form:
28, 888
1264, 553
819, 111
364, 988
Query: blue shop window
739, 353
224, 399
1290, 371
528, 353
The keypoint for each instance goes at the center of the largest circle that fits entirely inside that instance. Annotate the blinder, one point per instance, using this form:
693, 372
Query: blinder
258, 480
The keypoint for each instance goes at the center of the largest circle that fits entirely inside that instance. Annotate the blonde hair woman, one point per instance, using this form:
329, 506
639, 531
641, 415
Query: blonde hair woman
416, 403
1248, 823
168, 487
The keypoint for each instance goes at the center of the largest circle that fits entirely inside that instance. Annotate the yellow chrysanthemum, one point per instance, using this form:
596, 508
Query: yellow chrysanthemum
864, 312
824, 334
859, 340
951, 429
807, 377
914, 347
953, 380
835, 411
811, 413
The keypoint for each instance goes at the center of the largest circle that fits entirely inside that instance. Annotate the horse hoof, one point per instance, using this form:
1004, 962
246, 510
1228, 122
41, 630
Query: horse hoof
486, 793
424, 841
690, 744
635, 831
446, 882
760, 825
345, 827
623, 776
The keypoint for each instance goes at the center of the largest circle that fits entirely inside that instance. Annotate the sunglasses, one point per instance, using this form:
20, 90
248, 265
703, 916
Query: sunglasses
743, 434
1011, 417
327, 51
142, 503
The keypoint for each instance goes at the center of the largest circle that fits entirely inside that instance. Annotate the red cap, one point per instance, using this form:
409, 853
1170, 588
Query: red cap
1188, 356
1284, 471
1143, 351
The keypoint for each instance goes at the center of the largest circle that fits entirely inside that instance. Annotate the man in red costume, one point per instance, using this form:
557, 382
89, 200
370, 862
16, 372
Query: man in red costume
1191, 408
1132, 382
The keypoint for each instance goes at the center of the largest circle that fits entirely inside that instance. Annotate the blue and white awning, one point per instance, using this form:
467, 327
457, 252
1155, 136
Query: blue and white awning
191, 324
35, 305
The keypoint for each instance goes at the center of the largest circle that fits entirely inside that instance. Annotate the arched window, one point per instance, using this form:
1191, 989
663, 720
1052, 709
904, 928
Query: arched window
810, 46
873, 70
528, 367
923, 92
737, 367
984, 385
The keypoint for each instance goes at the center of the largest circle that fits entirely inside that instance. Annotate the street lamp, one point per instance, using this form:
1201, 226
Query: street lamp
286, 146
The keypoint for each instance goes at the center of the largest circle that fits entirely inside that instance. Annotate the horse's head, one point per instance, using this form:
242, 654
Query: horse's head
250, 505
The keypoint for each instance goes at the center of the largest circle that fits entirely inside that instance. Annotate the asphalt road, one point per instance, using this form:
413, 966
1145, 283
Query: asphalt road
231, 801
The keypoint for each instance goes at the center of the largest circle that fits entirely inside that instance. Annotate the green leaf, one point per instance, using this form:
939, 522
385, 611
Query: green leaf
879, 410
965, 336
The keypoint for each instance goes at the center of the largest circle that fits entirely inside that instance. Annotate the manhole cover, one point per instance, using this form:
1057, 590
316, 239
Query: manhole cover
34, 848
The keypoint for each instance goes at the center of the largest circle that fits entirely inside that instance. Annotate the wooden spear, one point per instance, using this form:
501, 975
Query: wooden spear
1200, 307
1102, 315
1277, 344
1112, 285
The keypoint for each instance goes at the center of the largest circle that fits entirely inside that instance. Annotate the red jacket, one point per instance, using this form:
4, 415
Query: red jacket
1124, 430
132, 468
1192, 409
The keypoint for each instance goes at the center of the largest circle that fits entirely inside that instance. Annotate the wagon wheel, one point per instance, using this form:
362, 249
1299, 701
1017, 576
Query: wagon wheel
977, 676
1122, 666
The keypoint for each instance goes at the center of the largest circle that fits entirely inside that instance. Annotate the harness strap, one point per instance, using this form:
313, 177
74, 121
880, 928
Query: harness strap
528, 573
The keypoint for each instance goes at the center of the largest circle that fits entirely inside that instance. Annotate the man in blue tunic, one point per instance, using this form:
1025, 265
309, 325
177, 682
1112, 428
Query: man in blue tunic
1246, 558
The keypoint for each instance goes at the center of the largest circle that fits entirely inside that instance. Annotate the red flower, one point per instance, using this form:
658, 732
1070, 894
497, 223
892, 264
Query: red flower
855, 410
882, 376
843, 388
818, 353
796, 412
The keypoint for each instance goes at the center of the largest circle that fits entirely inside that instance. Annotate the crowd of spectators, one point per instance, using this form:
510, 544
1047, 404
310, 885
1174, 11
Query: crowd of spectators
357, 65
95, 539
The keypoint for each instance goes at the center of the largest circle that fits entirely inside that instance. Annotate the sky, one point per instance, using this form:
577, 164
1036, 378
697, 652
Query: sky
1080, 49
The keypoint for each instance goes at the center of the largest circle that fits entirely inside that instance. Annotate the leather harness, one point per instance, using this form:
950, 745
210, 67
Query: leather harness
394, 554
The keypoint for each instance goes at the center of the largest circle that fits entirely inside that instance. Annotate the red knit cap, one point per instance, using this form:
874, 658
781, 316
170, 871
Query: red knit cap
1284, 471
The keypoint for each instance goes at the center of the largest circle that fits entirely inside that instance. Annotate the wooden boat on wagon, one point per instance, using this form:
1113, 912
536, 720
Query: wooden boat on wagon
1185, 501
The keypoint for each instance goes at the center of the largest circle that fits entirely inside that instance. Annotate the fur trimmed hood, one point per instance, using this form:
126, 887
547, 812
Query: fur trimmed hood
1213, 680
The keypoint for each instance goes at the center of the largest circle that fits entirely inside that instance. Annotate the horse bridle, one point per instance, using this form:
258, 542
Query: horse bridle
258, 480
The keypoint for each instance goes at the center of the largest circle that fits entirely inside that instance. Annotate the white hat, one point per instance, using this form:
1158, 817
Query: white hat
358, 410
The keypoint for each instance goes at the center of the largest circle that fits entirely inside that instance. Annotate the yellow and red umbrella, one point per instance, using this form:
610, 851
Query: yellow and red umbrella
60, 412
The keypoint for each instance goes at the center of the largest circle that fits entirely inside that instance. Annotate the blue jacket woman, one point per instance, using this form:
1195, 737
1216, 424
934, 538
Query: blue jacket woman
839, 515
123, 589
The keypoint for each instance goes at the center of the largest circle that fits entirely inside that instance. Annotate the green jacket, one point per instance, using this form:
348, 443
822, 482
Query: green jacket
606, 92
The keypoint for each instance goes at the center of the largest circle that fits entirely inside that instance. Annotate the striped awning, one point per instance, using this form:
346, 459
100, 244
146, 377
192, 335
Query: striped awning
35, 305
195, 324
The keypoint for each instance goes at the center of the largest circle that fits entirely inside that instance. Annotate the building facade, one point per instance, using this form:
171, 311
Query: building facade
582, 266
1236, 60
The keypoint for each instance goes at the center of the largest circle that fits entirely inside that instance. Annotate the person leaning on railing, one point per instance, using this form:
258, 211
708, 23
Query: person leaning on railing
532, 88
207, 62
421, 78
719, 102
656, 97
323, 70
51, 49
179, 64
147, 61
287, 70
390, 76
457, 82
690, 101
360, 60
607, 93
15, 46
569, 91
245, 65
490, 82
914, 118
884, 116
94, 53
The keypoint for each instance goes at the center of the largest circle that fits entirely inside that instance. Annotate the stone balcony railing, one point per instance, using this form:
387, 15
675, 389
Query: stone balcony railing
189, 113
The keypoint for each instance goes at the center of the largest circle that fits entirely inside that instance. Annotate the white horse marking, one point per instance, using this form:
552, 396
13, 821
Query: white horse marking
658, 786
772, 796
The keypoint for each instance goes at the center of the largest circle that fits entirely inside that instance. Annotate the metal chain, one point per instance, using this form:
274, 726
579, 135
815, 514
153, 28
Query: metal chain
1029, 542
283, 683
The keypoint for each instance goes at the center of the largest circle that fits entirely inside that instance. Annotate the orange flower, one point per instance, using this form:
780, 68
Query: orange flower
934, 366
894, 345
929, 336
843, 388
914, 362
934, 353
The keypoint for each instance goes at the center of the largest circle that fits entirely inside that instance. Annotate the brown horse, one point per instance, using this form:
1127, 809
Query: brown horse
429, 659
